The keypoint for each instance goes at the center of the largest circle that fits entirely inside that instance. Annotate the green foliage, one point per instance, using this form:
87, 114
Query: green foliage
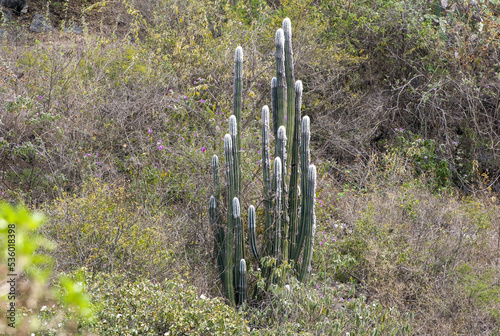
324, 309
425, 157
22, 253
170, 307
103, 231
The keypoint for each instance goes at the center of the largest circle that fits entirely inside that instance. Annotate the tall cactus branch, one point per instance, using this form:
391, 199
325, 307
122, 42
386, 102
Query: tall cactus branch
280, 78
310, 224
290, 80
215, 218
304, 166
242, 288
293, 202
274, 105
239, 243
266, 167
281, 153
229, 241
277, 207
251, 232
238, 87
233, 132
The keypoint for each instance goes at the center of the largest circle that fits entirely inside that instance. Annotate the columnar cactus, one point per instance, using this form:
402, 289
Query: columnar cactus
280, 100
242, 288
294, 175
239, 252
285, 234
290, 82
310, 223
229, 236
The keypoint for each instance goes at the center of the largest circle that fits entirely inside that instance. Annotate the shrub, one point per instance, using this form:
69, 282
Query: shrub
429, 254
102, 229
325, 309
171, 307
29, 270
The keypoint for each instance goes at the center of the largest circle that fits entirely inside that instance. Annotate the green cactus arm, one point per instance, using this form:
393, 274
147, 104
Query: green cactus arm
238, 87
281, 152
310, 224
266, 167
229, 239
239, 243
304, 166
243, 282
274, 105
233, 132
215, 172
277, 209
280, 78
293, 197
251, 232
290, 80
218, 231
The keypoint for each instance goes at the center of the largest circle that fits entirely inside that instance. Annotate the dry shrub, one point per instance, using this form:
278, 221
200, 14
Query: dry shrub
433, 254
103, 229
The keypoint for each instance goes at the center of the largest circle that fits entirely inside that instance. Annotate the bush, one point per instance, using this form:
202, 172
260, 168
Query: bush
102, 229
429, 254
29, 271
329, 308
142, 307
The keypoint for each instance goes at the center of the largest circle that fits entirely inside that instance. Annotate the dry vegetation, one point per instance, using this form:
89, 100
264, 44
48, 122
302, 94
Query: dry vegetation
110, 133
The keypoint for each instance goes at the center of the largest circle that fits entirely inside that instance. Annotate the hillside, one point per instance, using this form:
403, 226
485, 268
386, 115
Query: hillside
110, 117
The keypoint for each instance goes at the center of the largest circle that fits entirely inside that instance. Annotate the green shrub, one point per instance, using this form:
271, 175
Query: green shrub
326, 309
103, 230
171, 307
29, 271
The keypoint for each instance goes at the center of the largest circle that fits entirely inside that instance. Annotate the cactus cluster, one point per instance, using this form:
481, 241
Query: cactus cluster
289, 229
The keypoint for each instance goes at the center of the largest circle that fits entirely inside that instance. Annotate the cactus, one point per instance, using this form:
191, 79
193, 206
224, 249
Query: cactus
287, 238
238, 78
229, 235
274, 106
290, 80
215, 218
280, 100
242, 288
310, 223
304, 166
294, 175
266, 166
277, 209
239, 244
251, 232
